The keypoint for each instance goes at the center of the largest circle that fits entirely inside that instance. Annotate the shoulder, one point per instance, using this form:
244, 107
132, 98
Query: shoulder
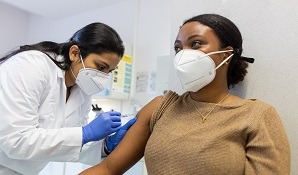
259, 106
163, 100
149, 110
146, 112
266, 109
31, 61
28, 59
259, 102
29, 66
263, 113
31, 54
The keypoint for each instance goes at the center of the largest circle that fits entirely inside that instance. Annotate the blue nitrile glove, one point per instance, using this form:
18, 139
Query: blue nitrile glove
104, 124
113, 140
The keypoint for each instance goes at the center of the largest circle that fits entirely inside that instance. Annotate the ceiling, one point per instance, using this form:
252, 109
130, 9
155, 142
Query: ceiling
57, 9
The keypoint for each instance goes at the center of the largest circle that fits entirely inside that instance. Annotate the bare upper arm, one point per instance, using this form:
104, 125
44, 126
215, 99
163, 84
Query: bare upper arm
131, 148
145, 114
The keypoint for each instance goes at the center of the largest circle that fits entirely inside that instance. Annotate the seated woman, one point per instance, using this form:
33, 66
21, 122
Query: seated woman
206, 130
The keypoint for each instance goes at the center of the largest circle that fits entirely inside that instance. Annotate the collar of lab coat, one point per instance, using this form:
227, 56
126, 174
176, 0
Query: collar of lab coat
76, 97
61, 74
75, 100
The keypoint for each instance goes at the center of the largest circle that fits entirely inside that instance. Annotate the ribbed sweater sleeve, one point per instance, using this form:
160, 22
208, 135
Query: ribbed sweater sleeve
267, 148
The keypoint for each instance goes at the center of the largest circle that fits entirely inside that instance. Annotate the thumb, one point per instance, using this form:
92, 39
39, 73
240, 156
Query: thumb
119, 136
129, 124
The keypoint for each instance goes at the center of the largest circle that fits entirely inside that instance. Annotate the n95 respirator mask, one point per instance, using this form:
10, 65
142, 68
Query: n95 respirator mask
91, 81
196, 69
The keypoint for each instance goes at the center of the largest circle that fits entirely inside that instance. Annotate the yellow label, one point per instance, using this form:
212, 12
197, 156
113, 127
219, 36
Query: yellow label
127, 58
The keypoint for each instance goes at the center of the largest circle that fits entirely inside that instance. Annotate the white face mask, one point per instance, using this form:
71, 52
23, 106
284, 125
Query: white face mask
196, 69
91, 81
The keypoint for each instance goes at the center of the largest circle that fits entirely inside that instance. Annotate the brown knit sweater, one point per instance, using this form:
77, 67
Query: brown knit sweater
245, 137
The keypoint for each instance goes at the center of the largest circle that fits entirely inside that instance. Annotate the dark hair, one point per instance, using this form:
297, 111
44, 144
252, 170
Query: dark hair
228, 35
94, 38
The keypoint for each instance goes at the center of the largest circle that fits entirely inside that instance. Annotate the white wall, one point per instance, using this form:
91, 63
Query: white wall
120, 16
269, 30
14, 27
152, 39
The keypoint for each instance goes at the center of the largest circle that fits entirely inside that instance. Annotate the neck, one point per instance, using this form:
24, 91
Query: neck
69, 79
210, 96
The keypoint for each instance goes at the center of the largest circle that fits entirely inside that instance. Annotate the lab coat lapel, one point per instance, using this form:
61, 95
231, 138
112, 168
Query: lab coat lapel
61, 74
76, 99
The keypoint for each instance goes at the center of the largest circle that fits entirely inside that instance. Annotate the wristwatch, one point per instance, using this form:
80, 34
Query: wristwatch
105, 148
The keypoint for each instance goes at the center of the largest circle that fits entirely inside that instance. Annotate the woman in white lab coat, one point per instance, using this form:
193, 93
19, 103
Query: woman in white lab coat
45, 98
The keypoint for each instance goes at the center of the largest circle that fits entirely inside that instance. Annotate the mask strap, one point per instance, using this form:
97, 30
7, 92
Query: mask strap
82, 61
83, 66
72, 73
224, 61
222, 51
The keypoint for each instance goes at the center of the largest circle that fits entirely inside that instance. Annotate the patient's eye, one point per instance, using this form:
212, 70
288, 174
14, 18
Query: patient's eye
196, 44
177, 48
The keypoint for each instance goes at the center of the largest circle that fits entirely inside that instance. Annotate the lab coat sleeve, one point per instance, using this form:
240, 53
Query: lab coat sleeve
91, 152
267, 149
22, 83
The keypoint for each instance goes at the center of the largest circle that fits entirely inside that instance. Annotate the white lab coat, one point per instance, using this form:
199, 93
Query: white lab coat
36, 125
